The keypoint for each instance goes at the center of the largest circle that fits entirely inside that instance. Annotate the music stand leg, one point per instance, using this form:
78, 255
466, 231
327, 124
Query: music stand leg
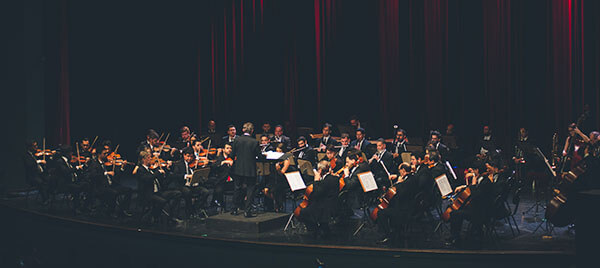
289, 222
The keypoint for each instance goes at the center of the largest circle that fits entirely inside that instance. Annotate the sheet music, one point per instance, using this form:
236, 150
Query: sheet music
295, 181
443, 185
271, 155
367, 181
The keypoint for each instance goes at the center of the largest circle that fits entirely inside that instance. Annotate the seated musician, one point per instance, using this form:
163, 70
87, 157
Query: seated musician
354, 192
399, 146
180, 180
477, 210
436, 142
85, 149
70, 176
265, 144
214, 138
230, 137
276, 184
382, 164
361, 142
150, 189
150, 142
326, 140
335, 161
106, 185
198, 149
35, 172
219, 175
279, 137
184, 139
323, 201
266, 127
401, 205
305, 151
344, 146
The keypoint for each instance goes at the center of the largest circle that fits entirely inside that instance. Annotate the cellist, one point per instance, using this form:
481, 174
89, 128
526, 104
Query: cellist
322, 201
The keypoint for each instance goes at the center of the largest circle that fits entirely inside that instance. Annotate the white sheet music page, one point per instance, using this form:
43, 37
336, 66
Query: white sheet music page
270, 155
443, 185
295, 181
367, 181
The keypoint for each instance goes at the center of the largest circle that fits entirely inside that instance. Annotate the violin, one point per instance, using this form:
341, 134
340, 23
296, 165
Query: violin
205, 152
201, 162
47, 152
118, 162
78, 159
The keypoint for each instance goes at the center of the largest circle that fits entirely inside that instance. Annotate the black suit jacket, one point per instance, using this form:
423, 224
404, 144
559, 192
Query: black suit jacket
245, 151
363, 146
388, 159
308, 154
218, 172
225, 140
32, 168
146, 181
330, 141
178, 172
285, 140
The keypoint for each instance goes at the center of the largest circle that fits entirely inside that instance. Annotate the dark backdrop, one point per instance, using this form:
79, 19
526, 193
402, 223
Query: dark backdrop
124, 66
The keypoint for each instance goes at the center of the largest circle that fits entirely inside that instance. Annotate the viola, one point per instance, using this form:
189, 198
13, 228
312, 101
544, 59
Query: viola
384, 202
47, 152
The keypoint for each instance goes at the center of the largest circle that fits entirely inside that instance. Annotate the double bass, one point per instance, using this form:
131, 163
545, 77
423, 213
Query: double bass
557, 210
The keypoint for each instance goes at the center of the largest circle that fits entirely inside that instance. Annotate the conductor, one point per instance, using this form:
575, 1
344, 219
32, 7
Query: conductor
244, 152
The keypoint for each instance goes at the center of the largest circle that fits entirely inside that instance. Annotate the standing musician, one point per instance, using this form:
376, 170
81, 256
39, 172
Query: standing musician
326, 140
35, 172
323, 201
244, 152
401, 205
361, 142
150, 188
487, 142
230, 137
181, 176
106, 185
220, 173
573, 143
382, 164
477, 210
280, 138
399, 145
305, 151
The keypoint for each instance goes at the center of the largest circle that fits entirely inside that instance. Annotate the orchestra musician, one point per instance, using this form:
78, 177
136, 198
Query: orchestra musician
573, 143
230, 137
35, 172
436, 142
487, 142
265, 144
181, 176
106, 185
244, 152
402, 204
150, 189
323, 201
382, 164
399, 145
219, 174
150, 142
279, 137
70, 176
344, 146
323, 142
276, 184
305, 151
214, 138
184, 140
266, 130
333, 157
361, 142
355, 194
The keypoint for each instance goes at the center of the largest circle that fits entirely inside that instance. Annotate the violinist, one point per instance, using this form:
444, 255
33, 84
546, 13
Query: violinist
477, 210
219, 175
323, 201
401, 205
106, 184
150, 189
334, 162
35, 171
150, 142
344, 146
326, 140
276, 184
214, 138
184, 139
279, 137
354, 165
85, 149
180, 180
70, 175
198, 149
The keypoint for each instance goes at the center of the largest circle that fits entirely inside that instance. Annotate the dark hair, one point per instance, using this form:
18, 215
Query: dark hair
345, 135
281, 146
151, 134
228, 143
107, 143
417, 155
276, 126
401, 130
435, 132
362, 130
434, 156
188, 150
184, 129
230, 126
353, 154
327, 125
331, 148
85, 139
264, 136
406, 167
301, 138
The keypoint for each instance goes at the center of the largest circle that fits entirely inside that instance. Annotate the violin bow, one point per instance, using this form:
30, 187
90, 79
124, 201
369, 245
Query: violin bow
114, 160
44, 149
93, 142
78, 157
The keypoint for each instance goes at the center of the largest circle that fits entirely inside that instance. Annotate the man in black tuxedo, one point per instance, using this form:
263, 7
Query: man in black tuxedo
305, 152
70, 175
214, 137
245, 151
401, 206
322, 143
35, 172
230, 137
219, 174
181, 177
280, 138
399, 146
344, 147
361, 142
435, 142
355, 193
106, 185
266, 127
377, 162
150, 189
150, 142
